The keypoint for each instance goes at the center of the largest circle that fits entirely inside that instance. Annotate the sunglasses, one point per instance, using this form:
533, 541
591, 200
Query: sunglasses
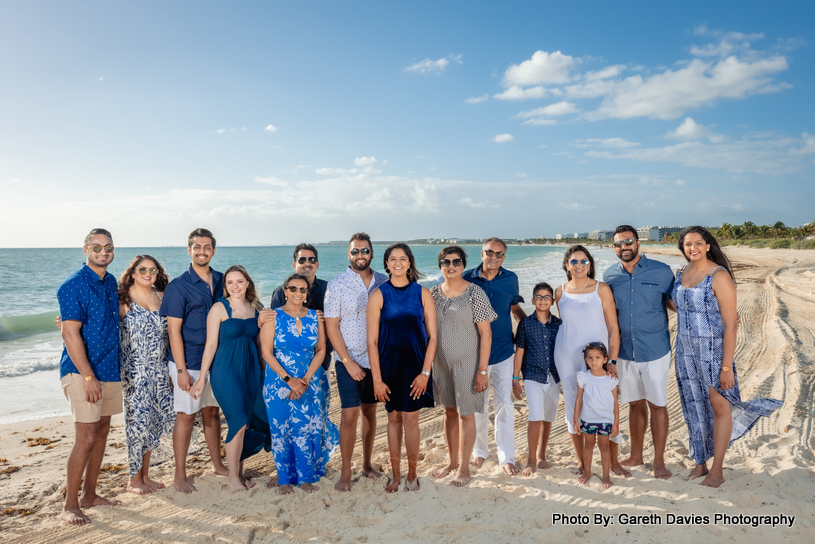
543, 297
628, 242
293, 289
364, 251
302, 260
444, 263
491, 253
144, 270
96, 248
584, 262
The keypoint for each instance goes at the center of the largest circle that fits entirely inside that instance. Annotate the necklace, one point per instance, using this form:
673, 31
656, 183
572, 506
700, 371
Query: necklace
571, 283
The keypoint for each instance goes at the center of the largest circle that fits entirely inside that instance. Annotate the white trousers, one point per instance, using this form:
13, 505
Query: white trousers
500, 375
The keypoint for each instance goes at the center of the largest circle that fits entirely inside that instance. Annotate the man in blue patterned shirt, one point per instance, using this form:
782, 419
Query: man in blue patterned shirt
89, 369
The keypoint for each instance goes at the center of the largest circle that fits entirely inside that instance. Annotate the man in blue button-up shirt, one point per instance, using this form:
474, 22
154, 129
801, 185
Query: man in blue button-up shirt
187, 300
642, 292
89, 369
501, 286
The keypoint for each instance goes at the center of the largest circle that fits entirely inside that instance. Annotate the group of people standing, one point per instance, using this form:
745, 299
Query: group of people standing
166, 350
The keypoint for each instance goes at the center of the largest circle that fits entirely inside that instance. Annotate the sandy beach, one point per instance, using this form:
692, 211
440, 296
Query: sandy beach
769, 472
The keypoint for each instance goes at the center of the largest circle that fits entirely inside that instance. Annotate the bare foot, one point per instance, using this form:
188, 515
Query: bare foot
220, 470
236, 485
139, 489
461, 481
712, 481
74, 516
697, 472
285, 489
441, 472
544, 464
585, 477
155, 486
528, 471
96, 500
661, 472
309, 488
393, 483
369, 472
620, 471
272, 483
578, 470
607, 482
632, 461
183, 486
343, 485
477, 462
412, 483
511, 469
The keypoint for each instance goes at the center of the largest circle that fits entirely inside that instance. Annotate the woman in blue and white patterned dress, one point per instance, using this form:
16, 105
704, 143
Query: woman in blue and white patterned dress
705, 298
146, 387
293, 346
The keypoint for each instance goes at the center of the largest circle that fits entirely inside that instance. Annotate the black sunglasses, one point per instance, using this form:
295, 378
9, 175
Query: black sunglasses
627, 242
293, 289
445, 263
364, 251
96, 248
144, 270
499, 254
302, 260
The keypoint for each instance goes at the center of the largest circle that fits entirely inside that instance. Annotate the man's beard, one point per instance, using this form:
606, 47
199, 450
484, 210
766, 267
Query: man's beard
359, 268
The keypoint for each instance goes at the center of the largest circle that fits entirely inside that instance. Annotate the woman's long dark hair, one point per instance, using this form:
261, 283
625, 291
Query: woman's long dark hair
414, 273
574, 249
251, 294
126, 280
715, 252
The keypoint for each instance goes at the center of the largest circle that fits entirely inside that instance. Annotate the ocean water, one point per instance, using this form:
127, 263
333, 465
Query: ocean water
30, 345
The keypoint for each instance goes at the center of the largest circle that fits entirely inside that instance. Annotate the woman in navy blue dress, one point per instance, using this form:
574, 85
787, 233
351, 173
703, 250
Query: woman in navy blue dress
401, 322
236, 378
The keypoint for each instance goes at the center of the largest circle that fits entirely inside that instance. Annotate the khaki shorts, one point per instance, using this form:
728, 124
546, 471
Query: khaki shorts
91, 412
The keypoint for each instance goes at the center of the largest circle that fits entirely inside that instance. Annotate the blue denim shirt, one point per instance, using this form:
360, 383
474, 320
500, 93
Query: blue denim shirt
538, 342
640, 298
502, 290
189, 298
93, 301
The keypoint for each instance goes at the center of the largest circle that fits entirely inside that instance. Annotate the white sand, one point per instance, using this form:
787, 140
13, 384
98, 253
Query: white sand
768, 472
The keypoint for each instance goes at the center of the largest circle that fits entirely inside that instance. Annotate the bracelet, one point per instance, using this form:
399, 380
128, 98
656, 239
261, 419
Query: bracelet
516, 378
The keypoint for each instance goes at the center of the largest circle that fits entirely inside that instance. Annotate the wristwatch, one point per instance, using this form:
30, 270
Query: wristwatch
88, 378
426, 373
482, 372
344, 360
181, 370
613, 361
286, 378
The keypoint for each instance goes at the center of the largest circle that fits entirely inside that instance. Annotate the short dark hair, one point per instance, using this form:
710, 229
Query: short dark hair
308, 247
201, 233
494, 239
291, 277
414, 274
627, 228
574, 249
543, 286
361, 236
453, 249
94, 232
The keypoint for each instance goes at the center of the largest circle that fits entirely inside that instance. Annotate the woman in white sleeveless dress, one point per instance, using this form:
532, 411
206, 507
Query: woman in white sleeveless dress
589, 314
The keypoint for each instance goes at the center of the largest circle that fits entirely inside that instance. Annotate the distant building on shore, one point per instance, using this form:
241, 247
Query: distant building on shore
571, 235
601, 235
656, 234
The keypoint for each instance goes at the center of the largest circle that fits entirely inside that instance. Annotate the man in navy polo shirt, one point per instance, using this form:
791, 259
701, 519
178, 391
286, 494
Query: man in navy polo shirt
187, 300
642, 292
501, 287
89, 369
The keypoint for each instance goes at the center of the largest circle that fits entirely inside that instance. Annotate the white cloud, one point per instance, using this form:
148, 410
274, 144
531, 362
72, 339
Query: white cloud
503, 138
100, 78
429, 66
691, 130
540, 121
658, 182
542, 68
808, 146
273, 181
469, 202
615, 143
218, 131
559, 108
325, 171
364, 161
517, 93
270, 128
605, 73
576, 206
729, 42
477, 99
522, 175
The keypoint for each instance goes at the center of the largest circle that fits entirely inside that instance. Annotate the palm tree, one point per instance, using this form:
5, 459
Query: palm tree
763, 231
738, 231
725, 231
778, 229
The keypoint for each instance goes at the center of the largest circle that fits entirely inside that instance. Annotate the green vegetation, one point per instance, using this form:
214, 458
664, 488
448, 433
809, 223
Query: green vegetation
775, 236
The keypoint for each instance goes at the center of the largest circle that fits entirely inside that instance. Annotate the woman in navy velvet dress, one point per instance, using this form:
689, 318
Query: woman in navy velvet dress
401, 321
236, 378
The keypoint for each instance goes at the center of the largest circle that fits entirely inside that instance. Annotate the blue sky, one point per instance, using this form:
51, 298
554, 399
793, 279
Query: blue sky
280, 122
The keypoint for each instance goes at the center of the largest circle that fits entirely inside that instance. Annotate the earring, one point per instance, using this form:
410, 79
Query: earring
408, 272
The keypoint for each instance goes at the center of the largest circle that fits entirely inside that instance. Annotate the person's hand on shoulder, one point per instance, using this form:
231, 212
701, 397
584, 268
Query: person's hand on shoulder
266, 316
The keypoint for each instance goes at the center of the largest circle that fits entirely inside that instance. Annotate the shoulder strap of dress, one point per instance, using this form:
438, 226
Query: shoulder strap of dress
228, 307
159, 294
716, 270
596, 286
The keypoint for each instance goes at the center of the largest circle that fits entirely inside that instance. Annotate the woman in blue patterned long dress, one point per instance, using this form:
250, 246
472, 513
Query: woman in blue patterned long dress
231, 351
705, 298
293, 346
146, 388
401, 323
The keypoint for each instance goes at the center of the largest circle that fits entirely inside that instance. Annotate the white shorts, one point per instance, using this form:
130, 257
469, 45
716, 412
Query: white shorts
542, 399
647, 380
183, 401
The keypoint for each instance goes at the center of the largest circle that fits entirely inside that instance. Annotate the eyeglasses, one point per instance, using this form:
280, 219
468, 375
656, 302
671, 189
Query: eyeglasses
584, 262
144, 270
96, 248
302, 260
491, 253
293, 289
543, 297
364, 251
628, 242
445, 263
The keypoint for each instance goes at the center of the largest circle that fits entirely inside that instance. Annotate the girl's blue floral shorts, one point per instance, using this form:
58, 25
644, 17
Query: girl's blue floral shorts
603, 429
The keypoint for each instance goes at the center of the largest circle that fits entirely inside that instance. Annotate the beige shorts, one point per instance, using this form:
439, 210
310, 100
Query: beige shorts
91, 412
182, 400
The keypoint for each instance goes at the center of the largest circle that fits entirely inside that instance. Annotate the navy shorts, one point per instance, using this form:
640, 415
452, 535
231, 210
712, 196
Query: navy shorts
603, 429
352, 392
